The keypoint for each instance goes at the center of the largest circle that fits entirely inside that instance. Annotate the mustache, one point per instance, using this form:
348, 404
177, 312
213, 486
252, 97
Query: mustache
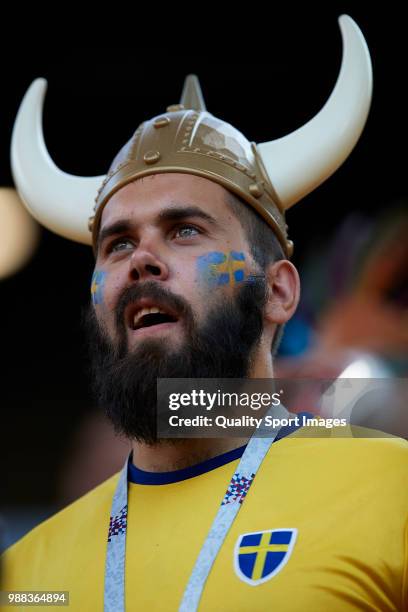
151, 290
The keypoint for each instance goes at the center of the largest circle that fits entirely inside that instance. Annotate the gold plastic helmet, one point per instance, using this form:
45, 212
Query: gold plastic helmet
270, 176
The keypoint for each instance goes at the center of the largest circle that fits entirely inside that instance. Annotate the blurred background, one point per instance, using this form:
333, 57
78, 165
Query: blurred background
350, 235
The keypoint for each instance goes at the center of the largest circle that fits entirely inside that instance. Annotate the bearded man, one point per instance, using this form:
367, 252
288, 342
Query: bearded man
193, 280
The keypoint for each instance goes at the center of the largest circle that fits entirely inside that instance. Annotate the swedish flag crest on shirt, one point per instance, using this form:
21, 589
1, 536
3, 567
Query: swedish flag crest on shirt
260, 555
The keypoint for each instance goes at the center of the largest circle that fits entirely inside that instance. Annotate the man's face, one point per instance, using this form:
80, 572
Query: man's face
181, 236
176, 294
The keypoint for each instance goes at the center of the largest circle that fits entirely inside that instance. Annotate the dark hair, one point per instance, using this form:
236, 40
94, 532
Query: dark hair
264, 244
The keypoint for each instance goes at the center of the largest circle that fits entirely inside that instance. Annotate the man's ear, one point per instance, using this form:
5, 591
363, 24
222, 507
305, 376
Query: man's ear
283, 285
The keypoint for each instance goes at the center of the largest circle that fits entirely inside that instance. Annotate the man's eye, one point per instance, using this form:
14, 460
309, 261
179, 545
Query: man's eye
186, 231
121, 244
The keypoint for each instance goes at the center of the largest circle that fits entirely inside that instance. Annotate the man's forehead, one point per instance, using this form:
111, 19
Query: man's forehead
152, 195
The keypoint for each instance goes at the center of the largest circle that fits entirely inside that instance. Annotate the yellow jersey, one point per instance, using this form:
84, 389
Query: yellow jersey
324, 526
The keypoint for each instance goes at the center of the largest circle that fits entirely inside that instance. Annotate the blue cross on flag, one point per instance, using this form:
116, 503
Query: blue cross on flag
260, 555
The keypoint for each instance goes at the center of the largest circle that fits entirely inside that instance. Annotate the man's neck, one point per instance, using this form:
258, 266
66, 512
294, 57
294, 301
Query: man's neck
167, 456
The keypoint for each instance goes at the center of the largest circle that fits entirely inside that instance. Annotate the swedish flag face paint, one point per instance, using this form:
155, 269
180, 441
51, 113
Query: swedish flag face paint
97, 286
218, 268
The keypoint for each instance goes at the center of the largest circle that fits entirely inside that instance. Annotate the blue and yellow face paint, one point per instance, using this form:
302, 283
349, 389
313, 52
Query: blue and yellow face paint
97, 286
218, 268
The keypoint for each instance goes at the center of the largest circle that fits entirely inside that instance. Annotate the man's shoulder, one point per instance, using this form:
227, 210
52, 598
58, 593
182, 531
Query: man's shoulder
354, 447
353, 454
352, 437
331, 429
81, 515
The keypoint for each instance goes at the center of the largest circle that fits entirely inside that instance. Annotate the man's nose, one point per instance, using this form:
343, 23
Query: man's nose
146, 263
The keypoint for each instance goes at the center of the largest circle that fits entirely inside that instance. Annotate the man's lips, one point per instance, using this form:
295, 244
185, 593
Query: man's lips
152, 330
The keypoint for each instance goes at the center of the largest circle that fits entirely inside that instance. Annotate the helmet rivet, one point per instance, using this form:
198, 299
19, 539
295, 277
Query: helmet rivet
173, 108
290, 247
151, 157
161, 122
256, 190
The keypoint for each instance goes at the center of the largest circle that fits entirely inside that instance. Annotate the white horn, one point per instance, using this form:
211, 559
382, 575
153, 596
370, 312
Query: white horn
61, 202
299, 162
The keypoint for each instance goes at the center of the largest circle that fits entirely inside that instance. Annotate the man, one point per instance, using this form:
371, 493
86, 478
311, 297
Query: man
193, 279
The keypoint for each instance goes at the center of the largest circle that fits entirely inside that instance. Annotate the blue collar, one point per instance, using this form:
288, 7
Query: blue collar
138, 476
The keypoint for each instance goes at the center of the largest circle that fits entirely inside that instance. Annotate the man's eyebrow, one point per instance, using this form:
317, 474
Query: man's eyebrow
174, 213
180, 212
119, 227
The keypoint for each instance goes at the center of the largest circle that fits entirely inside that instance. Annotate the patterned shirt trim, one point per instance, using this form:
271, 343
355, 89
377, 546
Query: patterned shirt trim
237, 489
118, 523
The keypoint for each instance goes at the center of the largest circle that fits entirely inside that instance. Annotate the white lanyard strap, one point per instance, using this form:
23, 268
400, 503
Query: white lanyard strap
114, 599
242, 479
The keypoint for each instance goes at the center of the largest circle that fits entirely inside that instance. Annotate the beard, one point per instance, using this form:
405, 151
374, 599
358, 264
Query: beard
124, 381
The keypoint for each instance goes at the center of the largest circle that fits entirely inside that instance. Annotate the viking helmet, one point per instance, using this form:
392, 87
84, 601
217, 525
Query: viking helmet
270, 176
